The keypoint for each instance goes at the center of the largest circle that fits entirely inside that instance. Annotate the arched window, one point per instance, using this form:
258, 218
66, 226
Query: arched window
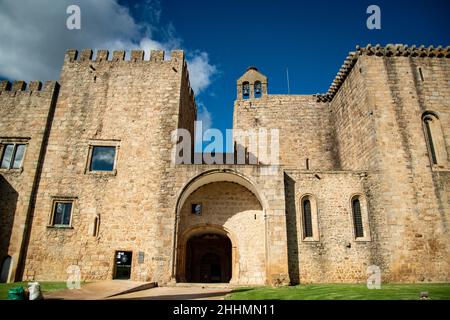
258, 89
245, 90
309, 218
357, 218
435, 139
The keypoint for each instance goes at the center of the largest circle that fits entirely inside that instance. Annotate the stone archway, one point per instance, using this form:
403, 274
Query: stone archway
229, 200
201, 249
230, 207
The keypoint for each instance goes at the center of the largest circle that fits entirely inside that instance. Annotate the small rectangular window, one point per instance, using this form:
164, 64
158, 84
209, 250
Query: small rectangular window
102, 158
196, 208
62, 212
12, 156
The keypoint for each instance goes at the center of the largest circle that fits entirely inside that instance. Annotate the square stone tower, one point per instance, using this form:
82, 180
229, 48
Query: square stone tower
128, 107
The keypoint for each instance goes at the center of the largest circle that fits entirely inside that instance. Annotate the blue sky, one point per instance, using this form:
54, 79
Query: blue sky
311, 38
221, 38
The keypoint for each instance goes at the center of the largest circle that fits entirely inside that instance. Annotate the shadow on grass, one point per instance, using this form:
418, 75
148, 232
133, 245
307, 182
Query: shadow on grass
343, 292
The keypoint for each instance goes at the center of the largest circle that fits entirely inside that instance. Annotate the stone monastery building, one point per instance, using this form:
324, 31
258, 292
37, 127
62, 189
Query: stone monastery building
87, 180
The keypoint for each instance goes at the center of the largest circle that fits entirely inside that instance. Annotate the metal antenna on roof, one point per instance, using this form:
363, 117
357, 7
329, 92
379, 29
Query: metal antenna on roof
287, 77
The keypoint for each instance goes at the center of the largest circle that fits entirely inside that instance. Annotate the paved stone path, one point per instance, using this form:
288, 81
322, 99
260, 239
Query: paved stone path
120, 289
98, 290
177, 293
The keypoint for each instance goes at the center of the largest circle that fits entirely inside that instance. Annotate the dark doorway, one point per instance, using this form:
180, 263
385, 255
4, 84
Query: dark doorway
6, 265
208, 259
123, 265
8, 204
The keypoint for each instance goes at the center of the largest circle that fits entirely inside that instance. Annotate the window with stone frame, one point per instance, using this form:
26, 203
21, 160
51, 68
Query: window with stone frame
102, 156
307, 219
435, 140
62, 213
357, 218
12, 154
360, 218
310, 218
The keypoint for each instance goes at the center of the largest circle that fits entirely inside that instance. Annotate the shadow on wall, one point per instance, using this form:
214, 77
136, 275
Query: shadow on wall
8, 204
291, 226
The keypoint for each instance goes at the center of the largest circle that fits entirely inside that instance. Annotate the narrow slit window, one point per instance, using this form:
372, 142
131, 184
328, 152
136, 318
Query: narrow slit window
428, 121
96, 226
357, 218
307, 219
421, 74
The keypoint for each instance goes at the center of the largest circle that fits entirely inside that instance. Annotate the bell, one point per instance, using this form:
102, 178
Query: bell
246, 90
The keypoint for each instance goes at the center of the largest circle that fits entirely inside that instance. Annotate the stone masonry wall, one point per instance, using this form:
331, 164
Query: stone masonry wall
336, 256
25, 115
304, 124
378, 109
134, 104
411, 196
353, 123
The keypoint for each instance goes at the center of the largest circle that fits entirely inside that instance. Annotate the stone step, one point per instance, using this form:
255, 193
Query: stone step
203, 285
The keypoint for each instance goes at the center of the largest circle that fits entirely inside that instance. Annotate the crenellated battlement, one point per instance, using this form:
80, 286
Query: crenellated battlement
18, 86
390, 50
84, 55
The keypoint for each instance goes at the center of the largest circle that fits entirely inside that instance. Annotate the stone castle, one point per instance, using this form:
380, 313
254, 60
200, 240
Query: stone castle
88, 188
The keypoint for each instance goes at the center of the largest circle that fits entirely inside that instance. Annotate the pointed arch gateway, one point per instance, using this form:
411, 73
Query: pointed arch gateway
224, 241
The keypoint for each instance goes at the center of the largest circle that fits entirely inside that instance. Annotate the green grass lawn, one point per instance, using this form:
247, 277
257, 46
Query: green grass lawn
343, 292
45, 287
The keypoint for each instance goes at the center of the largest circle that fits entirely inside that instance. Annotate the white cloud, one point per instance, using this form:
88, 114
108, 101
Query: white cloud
200, 72
206, 119
204, 116
34, 36
106, 155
